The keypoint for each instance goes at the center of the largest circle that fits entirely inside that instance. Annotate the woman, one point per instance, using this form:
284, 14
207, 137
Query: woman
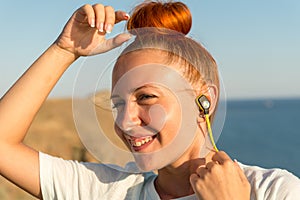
147, 116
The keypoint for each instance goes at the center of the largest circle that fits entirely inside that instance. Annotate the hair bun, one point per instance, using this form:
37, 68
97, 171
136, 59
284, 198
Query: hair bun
170, 15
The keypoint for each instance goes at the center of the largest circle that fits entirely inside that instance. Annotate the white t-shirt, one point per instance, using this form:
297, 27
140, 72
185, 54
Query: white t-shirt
71, 180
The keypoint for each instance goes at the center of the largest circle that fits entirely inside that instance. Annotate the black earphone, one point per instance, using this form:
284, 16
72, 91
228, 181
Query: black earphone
203, 103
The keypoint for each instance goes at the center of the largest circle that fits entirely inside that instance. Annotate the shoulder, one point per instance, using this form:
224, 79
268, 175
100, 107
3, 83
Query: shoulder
48, 162
272, 183
61, 178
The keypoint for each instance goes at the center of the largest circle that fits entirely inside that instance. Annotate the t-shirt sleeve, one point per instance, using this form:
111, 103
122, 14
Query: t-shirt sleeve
285, 186
272, 183
66, 179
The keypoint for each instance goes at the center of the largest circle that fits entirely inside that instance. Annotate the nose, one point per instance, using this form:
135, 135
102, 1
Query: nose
128, 117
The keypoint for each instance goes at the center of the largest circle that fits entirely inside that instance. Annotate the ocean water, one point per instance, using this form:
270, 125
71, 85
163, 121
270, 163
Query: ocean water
265, 133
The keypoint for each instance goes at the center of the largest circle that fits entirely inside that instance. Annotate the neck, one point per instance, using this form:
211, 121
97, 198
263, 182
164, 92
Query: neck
173, 181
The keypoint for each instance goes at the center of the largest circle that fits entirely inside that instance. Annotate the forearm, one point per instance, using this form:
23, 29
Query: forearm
23, 100
20, 104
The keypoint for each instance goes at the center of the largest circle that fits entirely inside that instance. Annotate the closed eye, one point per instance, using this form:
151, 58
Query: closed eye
144, 97
117, 104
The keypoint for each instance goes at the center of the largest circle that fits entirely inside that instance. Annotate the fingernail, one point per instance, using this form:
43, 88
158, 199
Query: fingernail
101, 27
108, 28
127, 16
235, 160
92, 23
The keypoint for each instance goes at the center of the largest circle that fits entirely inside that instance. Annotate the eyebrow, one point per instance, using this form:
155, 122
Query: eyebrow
136, 89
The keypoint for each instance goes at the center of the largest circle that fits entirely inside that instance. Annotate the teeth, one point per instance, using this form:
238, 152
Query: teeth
137, 142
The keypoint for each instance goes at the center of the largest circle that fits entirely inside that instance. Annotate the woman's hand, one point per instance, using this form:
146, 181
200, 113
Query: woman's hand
84, 33
221, 179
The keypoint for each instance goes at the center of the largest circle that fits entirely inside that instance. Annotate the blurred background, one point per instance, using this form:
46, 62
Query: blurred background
256, 44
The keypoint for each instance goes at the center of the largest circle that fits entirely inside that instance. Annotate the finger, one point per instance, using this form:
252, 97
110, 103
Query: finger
109, 18
100, 16
193, 179
121, 16
202, 171
197, 184
210, 165
87, 11
221, 157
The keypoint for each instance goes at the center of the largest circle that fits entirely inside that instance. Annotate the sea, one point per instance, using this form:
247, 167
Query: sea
264, 133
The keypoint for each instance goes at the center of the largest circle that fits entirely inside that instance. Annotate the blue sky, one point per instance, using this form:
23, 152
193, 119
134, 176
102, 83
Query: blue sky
256, 43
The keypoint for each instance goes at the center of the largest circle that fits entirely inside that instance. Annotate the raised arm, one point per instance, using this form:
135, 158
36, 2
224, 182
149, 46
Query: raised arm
81, 36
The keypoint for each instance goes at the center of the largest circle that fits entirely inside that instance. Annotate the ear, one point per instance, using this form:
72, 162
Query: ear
212, 95
211, 92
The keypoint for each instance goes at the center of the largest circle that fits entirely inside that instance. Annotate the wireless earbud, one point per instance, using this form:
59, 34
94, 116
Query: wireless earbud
204, 105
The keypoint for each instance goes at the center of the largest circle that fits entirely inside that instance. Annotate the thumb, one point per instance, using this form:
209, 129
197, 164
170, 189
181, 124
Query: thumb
117, 41
111, 43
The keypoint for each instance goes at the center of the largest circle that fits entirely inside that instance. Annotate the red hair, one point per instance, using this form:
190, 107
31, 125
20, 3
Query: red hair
163, 26
170, 15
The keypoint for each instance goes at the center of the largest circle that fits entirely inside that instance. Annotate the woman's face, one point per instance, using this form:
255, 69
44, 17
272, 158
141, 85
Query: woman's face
148, 98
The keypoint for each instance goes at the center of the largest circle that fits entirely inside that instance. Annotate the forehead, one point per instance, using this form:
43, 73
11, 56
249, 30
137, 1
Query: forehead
135, 59
147, 68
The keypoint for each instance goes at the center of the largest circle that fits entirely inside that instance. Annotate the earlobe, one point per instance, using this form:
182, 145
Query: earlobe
201, 124
200, 119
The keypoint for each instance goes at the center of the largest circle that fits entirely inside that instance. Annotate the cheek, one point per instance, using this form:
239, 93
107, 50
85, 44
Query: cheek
155, 117
120, 135
118, 131
173, 121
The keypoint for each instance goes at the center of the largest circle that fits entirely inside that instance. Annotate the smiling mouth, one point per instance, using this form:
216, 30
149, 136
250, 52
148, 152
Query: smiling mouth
139, 143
